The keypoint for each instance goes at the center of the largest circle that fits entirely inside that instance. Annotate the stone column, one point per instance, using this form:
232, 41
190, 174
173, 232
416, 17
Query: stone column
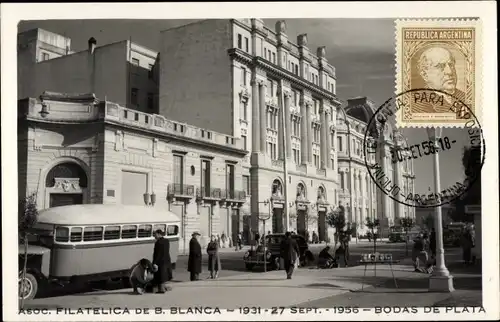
263, 116
255, 117
288, 125
281, 130
303, 132
324, 126
309, 132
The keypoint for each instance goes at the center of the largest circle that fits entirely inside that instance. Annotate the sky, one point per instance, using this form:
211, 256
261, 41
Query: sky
361, 50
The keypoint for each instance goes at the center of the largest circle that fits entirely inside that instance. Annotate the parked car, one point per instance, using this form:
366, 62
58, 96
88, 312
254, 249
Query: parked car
270, 254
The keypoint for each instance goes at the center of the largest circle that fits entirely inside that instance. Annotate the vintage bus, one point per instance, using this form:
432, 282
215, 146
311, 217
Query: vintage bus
93, 242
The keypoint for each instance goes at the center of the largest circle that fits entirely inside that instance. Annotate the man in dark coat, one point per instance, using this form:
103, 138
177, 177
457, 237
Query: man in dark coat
161, 258
194, 260
290, 253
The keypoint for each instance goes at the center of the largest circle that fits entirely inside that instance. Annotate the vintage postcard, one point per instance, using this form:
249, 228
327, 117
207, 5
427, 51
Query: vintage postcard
172, 162
439, 61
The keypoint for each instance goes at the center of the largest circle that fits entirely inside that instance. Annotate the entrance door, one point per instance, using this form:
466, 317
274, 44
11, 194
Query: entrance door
65, 199
322, 226
301, 222
235, 224
277, 220
205, 231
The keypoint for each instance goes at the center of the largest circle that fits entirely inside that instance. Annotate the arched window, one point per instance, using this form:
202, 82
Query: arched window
301, 190
66, 170
321, 192
276, 189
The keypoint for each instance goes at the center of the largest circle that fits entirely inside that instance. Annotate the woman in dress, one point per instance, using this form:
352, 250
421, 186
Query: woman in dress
213, 258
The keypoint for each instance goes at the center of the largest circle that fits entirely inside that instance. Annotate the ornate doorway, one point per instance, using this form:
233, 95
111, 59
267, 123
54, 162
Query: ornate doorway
66, 184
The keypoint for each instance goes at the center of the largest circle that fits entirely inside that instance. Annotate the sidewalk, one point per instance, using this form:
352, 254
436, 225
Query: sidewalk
269, 289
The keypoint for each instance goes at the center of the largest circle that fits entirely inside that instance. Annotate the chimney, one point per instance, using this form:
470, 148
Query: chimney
92, 44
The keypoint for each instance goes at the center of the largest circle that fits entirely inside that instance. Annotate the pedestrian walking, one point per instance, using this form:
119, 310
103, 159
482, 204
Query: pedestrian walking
213, 258
161, 258
257, 238
432, 244
467, 244
239, 242
141, 275
194, 260
290, 254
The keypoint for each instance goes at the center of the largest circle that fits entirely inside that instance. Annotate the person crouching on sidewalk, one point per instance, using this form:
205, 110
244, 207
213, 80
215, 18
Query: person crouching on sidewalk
141, 276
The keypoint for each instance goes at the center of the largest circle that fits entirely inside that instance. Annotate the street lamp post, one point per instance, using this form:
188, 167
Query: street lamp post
264, 218
350, 166
440, 280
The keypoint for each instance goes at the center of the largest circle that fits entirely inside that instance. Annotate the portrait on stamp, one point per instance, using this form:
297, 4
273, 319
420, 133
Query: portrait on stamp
440, 58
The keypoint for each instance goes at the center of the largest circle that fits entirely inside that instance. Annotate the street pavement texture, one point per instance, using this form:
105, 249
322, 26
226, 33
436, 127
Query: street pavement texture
310, 287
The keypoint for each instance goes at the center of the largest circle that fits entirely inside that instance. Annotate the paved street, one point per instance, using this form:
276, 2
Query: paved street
309, 288
234, 268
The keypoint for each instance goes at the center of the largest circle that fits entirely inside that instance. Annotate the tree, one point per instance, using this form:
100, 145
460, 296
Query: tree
336, 219
373, 224
407, 223
27, 217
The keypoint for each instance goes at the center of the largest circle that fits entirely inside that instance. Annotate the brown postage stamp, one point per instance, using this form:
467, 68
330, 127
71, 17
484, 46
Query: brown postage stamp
438, 65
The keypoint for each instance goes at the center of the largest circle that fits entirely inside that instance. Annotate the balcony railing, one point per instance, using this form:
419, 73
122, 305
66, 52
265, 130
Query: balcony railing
234, 195
180, 190
210, 193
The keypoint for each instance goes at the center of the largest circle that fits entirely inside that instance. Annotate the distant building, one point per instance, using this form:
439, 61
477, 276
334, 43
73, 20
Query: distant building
368, 200
235, 76
77, 150
123, 72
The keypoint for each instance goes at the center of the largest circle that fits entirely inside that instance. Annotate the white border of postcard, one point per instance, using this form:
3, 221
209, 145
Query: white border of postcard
12, 13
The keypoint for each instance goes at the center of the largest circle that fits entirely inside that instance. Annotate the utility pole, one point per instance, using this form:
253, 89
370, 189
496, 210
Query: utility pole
285, 166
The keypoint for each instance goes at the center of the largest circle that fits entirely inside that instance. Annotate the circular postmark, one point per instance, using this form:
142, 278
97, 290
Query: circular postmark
388, 154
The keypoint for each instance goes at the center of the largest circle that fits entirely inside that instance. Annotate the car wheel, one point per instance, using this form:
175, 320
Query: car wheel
249, 267
28, 287
276, 264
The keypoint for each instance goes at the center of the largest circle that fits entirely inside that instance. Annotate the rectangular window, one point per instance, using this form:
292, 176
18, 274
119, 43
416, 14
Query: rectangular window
135, 61
178, 170
62, 234
296, 156
243, 110
339, 143
151, 104
230, 179
332, 139
332, 163
205, 177
269, 54
342, 183
161, 227
243, 76
172, 230
316, 160
265, 53
295, 98
76, 234
45, 56
92, 233
292, 65
239, 41
145, 231
246, 45
129, 231
134, 94
111, 232
274, 58
244, 139
150, 71
246, 184
358, 149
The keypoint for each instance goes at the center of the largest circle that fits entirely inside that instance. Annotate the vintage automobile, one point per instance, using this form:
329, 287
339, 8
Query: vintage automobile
89, 243
270, 254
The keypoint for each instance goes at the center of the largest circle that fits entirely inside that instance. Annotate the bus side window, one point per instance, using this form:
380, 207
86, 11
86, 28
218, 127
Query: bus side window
62, 234
145, 231
76, 234
129, 231
112, 232
161, 227
172, 230
92, 233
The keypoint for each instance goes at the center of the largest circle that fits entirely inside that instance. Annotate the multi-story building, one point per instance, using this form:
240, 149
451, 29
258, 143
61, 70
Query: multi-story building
358, 192
75, 149
238, 76
123, 72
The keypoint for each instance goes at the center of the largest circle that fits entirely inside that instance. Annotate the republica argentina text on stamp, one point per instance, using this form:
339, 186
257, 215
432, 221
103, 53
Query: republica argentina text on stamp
443, 55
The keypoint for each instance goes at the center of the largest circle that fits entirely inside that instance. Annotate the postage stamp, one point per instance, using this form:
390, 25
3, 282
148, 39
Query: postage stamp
442, 55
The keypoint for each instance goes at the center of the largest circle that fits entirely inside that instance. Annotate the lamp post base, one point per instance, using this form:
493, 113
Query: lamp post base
443, 284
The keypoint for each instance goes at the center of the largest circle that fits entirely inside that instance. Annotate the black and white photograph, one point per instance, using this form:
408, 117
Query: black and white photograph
295, 167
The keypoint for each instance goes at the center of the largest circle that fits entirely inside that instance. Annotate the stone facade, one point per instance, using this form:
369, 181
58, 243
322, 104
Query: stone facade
79, 150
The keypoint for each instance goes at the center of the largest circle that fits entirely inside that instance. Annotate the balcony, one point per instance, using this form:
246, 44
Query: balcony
208, 193
233, 198
177, 191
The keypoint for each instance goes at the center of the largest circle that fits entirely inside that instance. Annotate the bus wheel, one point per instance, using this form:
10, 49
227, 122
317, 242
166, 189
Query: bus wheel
28, 287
